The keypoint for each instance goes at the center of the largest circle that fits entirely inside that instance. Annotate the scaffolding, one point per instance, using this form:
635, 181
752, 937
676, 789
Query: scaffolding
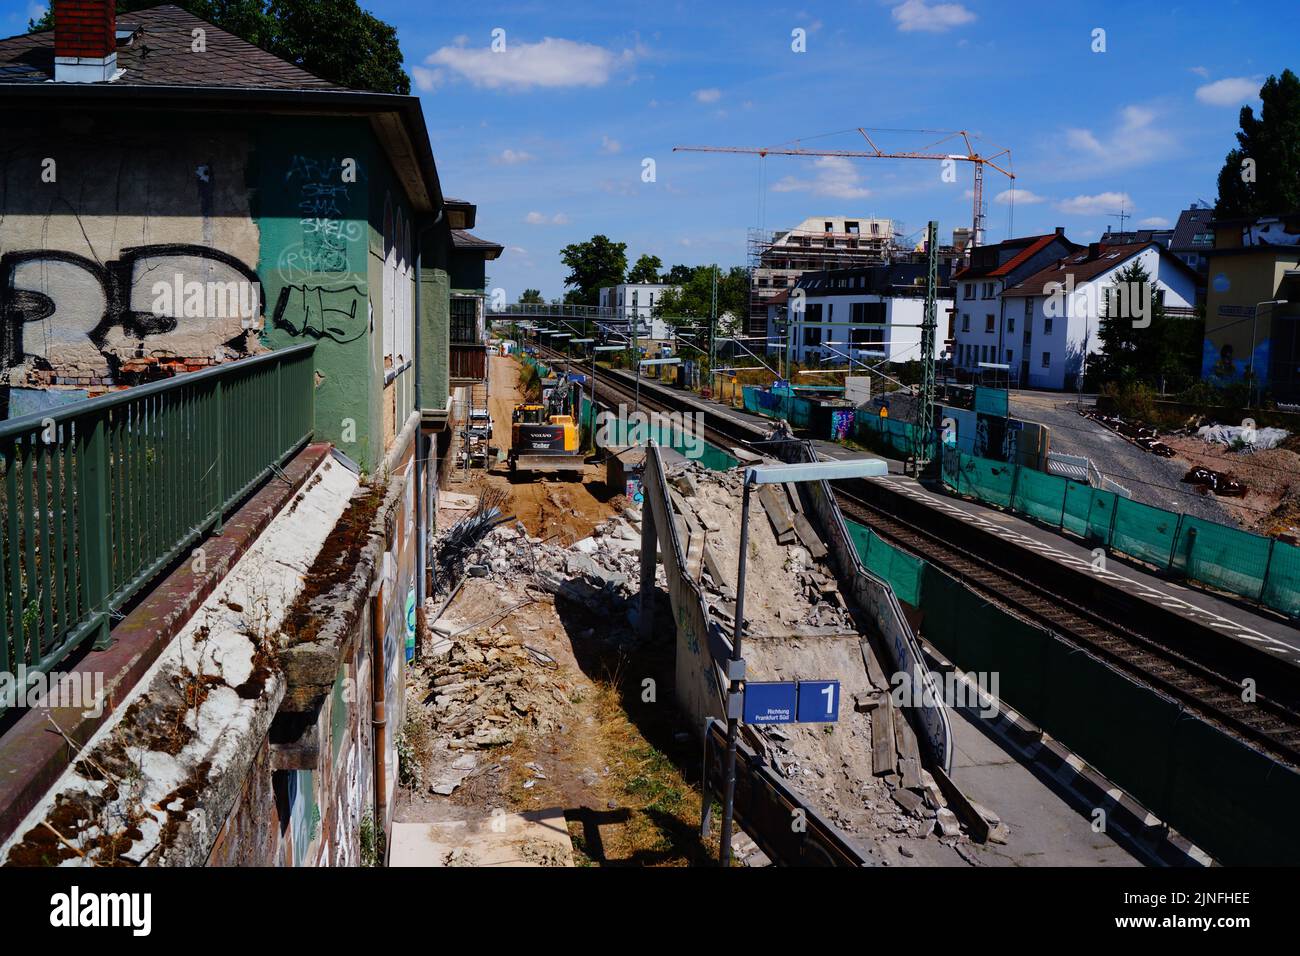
778, 259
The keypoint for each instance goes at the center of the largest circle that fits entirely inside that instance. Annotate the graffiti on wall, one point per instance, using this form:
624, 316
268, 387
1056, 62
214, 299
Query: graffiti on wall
63, 311
320, 191
321, 312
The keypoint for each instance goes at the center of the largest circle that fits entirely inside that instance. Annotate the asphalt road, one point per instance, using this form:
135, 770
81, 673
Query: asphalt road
1152, 480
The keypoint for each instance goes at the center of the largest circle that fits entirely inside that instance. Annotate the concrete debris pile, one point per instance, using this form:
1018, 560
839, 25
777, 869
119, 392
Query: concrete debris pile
487, 688
789, 589
595, 570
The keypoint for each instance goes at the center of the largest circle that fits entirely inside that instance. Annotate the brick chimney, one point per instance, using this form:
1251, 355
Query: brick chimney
85, 41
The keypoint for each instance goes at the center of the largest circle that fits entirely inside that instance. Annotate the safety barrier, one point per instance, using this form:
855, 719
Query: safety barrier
101, 496
1252, 566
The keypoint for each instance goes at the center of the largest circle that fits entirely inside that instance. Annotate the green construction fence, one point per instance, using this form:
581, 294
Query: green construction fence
1240, 562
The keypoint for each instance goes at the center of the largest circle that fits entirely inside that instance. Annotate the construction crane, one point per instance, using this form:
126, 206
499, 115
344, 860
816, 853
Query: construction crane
969, 156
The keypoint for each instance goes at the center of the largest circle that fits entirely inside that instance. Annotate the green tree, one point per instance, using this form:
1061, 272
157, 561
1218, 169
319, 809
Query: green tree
532, 297
678, 275
333, 39
694, 299
1165, 352
1272, 142
646, 269
593, 264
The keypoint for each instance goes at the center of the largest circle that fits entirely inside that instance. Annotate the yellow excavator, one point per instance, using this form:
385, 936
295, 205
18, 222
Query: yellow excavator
544, 437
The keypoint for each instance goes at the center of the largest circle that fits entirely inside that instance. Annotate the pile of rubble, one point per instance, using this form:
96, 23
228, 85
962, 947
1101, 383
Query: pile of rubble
788, 587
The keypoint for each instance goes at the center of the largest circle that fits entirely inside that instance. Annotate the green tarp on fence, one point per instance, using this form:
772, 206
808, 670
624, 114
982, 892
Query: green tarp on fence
903, 571
1250, 565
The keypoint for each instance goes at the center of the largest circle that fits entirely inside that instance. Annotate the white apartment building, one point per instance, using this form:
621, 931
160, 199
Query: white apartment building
636, 301
1052, 317
867, 315
979, 327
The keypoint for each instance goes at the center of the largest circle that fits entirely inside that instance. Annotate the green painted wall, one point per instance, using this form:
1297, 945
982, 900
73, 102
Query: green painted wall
314, 266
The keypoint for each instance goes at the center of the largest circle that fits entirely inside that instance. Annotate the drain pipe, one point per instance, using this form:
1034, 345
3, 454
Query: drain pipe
422, 459
379, 707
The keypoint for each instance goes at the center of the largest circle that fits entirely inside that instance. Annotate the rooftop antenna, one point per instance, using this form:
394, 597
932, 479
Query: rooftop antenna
1122, 216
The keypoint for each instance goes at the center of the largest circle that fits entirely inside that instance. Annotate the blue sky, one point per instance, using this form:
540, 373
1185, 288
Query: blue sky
549, 136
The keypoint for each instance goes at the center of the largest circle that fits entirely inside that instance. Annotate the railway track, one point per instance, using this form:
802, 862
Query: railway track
1203, 674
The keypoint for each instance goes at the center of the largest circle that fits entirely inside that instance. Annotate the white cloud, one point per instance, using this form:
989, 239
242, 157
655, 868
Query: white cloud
913, 15
836, 177
1134, 141
1023, 197
1199, 71
1154, 222
608, 145
1230, 91
710, 95
513, 157
426, 80
1102, 204
552, 62
541, 219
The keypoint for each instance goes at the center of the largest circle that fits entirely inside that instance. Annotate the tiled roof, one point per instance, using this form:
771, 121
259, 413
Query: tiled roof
1192, 222
1084, 265
1036, 245
160, 54
464, 239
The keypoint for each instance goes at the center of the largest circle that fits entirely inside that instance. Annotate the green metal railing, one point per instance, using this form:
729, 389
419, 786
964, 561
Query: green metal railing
100, 496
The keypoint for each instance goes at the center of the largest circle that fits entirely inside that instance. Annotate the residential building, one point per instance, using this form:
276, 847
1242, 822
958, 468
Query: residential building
1254, 261
819, 243
635, 302
167, 209
866, 314
981, 330
1193, 237
1052, 316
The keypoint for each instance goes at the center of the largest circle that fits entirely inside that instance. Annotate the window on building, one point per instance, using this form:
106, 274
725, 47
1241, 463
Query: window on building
812, 335
1029, 310
1047, 326
871, 335
830, 227
987, 291
1047, 360
867, 313
851, 228
1011, 323
464, 319
988, 323
1008, 356
970, 291
965, 322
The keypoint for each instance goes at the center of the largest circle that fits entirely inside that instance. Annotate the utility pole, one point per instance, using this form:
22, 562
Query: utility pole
713, 325
929, 328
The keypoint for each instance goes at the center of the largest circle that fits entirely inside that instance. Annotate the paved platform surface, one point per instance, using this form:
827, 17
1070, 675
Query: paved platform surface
1049, 825
532, 839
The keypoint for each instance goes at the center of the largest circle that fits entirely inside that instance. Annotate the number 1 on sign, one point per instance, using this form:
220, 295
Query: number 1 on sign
829, 691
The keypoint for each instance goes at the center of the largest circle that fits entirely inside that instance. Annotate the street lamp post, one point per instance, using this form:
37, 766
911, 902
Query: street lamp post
767, 475
1254, 329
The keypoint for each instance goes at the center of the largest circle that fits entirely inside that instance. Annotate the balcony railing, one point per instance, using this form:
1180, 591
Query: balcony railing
101, 496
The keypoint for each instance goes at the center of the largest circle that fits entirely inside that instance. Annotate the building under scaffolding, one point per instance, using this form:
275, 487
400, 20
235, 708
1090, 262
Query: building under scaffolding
778, 259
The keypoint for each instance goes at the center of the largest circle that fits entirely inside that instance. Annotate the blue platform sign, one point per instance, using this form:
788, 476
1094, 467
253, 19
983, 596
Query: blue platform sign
770, 703
819, 701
